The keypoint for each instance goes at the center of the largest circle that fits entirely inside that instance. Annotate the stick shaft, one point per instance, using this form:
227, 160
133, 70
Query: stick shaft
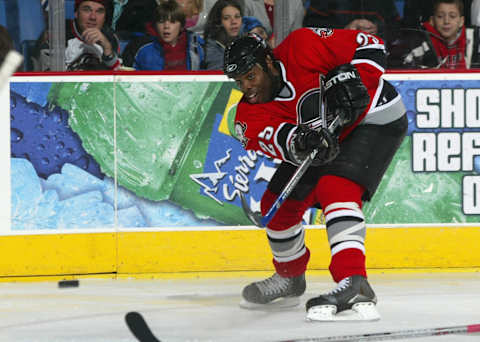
400, 334
288, 188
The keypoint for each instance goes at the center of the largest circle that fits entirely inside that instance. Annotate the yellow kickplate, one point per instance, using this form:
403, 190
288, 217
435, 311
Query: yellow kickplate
222, 251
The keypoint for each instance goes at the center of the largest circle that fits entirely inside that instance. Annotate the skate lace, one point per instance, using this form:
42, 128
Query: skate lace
342, 285
274, 284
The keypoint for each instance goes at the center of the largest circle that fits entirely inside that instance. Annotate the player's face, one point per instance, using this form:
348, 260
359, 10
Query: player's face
447, 20
231, 21
90, 14
256, 85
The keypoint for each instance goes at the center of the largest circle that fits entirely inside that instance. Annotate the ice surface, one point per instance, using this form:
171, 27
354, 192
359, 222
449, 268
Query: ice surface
207, 310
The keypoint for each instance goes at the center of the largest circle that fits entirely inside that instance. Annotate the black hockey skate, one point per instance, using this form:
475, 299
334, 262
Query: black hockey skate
273, 292
353, 299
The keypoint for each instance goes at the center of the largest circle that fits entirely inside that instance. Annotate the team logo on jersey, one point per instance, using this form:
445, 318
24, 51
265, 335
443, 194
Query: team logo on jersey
309, 109
240, 129
308, 106
323, 32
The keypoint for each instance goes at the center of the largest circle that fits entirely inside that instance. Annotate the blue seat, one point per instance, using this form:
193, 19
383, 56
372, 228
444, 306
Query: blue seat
3, 13
69, 9
27, 50
25, 20
399, 4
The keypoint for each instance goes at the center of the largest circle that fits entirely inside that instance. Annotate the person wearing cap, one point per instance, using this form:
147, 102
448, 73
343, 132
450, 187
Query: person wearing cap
253, 25
90, 43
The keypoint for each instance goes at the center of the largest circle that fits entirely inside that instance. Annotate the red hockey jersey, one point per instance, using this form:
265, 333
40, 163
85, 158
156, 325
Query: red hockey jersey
303, 56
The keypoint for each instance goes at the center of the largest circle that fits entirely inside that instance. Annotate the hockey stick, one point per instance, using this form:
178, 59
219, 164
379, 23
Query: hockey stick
395, 335
256, 217
139, 327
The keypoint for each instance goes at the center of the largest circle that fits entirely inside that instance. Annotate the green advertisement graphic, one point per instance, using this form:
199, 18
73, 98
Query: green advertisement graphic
158, 124
163, 135
407, 197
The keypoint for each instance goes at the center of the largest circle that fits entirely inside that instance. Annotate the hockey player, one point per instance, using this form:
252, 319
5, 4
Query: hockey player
279, 116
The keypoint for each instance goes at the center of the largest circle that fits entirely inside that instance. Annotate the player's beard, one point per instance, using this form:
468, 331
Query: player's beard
276, 84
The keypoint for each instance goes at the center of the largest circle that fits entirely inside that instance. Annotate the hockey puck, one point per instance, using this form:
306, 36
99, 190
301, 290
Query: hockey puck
68, 283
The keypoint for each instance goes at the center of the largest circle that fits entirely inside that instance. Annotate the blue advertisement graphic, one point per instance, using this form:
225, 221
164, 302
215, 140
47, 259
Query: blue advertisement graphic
234, 170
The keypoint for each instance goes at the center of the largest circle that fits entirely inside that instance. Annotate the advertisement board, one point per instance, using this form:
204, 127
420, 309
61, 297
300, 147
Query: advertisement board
150, 152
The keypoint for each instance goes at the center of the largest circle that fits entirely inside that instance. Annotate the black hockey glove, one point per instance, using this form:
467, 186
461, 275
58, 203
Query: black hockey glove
306, 140
346, 95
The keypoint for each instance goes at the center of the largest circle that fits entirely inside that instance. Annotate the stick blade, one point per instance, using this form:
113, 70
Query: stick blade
139, 327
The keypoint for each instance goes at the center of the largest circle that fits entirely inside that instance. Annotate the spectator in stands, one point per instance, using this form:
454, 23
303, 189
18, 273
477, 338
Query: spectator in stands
172, 47
224, 24
416, 12
192, 9
378, 17
253, 25
90, 43
475, 13
196, 12
473, 44
263, 11
443, 37
131, 17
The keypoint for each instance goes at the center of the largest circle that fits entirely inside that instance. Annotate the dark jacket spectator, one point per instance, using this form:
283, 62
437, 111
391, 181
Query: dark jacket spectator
130, 17
379, 17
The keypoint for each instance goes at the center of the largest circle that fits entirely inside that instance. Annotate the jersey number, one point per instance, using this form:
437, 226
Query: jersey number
267, 134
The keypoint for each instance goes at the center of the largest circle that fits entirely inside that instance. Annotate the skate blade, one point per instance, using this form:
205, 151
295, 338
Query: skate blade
279, 303
328, 313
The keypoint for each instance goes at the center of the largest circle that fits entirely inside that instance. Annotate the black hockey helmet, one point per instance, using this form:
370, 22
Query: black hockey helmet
243, 53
